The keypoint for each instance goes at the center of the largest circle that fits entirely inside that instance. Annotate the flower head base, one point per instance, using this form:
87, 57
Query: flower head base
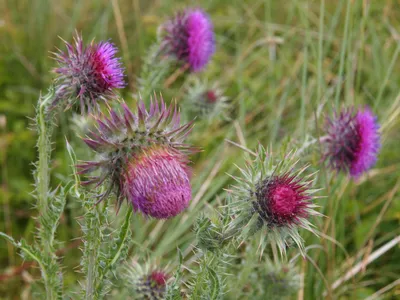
352, 142
205, 100
189, 37
143, 159
272, 195
147, 282
89, 74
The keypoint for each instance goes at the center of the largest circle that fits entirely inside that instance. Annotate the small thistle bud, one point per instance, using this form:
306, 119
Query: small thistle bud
189, 37
353, 141
143, 159
209, 234
88, 73
280, 281
206, 101
147, 282
274, 197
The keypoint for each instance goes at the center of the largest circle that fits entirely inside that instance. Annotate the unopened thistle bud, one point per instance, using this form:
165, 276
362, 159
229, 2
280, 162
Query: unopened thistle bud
147, 282
189, 37
206, 100
353, 141
89, 74
143, 159
280, 281
273, 195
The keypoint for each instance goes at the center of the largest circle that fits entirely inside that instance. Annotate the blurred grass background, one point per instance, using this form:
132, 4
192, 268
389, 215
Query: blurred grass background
284, 64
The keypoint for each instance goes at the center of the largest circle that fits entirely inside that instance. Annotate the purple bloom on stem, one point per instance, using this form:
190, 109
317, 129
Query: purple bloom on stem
90, 73
353, 141
143, 158
189, 36
157, 183
282, 201
274, 197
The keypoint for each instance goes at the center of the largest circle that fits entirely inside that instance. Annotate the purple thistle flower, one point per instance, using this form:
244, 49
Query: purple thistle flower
272, 195
147, 281
143, 158
353, 141
189, 36
89, 73
282, 201
157, 183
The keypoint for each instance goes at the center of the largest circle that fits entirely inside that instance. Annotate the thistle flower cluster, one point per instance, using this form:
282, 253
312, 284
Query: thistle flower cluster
147, 281
353, 141
142, 158
189, 37
273, 195
206, 100
88, 73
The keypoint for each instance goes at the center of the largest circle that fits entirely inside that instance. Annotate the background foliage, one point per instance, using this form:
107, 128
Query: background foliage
283, 64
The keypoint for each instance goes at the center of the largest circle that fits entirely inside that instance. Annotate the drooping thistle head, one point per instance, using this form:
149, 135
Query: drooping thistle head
143, 158
146, 281
206, 100
88, 74
189, 37
352, 143
273, 195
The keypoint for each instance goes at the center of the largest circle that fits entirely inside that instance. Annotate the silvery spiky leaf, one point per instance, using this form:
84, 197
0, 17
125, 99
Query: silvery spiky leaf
275, 197
205, 100
146, 281
143, 158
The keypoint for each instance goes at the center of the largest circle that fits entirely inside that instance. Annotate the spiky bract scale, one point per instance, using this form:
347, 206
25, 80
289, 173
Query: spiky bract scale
189, 37
146, 281
89, 74
272, 195
353, 141
206, 100
142, 158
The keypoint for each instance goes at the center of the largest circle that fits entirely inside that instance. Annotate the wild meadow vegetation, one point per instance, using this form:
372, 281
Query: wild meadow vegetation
107, 193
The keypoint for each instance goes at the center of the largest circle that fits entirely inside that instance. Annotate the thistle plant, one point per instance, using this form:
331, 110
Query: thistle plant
146, 281
275, 197
143, 159
205, 100
187, 39
353, 141
87, 74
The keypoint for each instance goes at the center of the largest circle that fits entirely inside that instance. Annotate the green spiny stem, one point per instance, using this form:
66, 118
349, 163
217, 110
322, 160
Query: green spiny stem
120, 250
48, 218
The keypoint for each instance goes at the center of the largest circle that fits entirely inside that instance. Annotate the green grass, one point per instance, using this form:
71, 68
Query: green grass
285, 65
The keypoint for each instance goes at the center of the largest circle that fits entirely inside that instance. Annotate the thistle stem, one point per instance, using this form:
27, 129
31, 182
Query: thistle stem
42, 178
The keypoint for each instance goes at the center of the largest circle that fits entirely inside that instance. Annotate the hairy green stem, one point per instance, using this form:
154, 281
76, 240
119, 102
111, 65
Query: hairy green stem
49, 213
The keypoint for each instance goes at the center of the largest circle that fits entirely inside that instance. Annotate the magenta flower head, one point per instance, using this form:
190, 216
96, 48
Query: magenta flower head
352, 143
147, 282
189, 37
273, 195
89, 73
143, 159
